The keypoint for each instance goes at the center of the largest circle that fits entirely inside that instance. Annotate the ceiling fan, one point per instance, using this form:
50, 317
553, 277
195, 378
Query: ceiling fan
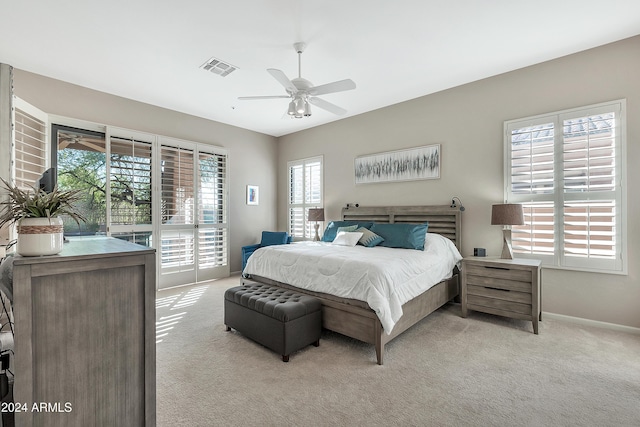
302, 92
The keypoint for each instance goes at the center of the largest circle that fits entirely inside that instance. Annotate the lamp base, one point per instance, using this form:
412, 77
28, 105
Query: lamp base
507, 249
317, 236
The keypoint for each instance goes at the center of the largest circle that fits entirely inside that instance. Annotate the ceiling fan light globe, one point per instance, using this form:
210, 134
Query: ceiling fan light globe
292, 109
300, 105
307, 109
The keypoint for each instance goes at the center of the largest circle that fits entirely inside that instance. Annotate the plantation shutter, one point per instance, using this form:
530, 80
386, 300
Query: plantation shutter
532, 159
31, 146
305, 192
589, 175
177, 207
130, 182
177, 186
532, 178
296, 201
212, 212
194, 229
565, 170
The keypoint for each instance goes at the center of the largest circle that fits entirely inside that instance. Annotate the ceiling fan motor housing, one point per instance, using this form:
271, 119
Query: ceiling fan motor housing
301, 84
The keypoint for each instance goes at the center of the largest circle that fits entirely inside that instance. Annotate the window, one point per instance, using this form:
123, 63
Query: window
130, 182
148, 189
305, 191
566, 169
79, 156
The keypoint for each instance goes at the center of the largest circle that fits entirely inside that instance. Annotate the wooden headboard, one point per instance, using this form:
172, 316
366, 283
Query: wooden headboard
442, 219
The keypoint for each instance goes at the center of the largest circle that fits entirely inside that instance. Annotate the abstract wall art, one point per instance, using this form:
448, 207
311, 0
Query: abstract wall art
402, 165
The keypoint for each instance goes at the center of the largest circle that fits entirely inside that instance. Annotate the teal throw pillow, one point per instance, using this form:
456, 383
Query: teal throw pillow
406, 236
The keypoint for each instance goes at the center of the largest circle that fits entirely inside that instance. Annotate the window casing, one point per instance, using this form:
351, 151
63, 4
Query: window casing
566, 169
305, 191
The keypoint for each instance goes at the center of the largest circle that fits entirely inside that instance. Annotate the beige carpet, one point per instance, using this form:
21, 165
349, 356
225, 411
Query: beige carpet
445, 371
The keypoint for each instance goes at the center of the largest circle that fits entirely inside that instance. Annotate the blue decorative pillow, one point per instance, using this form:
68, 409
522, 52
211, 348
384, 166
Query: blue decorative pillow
369, 238
332, 229
407, 236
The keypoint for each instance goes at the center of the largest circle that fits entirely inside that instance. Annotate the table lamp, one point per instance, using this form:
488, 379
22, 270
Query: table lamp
317, 215
507, 214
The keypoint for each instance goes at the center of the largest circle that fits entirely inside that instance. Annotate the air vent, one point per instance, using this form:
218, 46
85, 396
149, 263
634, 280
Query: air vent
218, 67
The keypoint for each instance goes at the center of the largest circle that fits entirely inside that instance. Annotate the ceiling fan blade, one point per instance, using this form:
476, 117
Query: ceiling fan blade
334, 87
283, 80
325, 105
247, 98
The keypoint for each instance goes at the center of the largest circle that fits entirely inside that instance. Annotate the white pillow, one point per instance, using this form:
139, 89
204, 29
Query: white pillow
441, 246
347, 238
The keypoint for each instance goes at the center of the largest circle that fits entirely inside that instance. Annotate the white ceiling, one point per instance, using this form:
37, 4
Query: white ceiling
151, 50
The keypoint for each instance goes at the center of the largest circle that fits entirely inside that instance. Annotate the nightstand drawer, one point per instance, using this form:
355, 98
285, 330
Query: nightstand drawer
505, 273
477, 302
496, 283
513, 296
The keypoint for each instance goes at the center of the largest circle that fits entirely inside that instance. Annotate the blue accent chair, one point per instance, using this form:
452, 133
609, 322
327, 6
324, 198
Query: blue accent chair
269, 238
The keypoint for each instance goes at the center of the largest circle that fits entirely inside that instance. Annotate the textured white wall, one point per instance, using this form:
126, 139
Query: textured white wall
468, 122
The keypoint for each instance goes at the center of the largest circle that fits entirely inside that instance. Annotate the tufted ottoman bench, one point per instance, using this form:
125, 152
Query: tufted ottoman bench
281, 320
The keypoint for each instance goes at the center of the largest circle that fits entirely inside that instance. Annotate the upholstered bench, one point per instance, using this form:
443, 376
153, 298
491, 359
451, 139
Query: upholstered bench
281, 320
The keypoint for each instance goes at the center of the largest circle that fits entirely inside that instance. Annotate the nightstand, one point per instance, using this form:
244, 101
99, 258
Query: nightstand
505, 287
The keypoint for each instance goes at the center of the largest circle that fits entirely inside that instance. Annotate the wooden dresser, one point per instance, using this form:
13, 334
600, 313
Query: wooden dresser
505, 287
85, 335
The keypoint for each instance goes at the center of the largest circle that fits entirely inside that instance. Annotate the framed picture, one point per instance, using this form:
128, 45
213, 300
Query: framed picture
402, 165
253, 193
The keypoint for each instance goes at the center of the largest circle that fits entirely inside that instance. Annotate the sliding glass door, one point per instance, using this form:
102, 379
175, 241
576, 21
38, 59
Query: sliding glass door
193, 219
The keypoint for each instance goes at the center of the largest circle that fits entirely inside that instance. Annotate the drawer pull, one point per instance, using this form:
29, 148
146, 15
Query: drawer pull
497, 289
496, 268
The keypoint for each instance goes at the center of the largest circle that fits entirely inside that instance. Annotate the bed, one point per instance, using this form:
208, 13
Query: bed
354, 317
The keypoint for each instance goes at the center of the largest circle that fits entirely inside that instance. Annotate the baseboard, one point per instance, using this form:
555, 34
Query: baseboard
596, 323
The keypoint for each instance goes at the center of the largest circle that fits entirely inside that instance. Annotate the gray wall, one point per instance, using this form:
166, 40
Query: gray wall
468, 122
252, 155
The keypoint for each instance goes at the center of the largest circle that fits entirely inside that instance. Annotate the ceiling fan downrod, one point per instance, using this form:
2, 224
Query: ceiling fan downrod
299, 47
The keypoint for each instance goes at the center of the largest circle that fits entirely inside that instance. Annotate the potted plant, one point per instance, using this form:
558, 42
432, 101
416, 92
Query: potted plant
36, 212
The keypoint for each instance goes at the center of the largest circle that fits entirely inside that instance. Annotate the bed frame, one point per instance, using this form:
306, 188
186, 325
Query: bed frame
362, 323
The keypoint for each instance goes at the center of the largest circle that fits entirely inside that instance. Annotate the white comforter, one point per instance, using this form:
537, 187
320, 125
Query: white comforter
385, 278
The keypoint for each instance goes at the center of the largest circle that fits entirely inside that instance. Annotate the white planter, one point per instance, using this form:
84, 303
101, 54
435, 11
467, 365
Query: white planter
40, 236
